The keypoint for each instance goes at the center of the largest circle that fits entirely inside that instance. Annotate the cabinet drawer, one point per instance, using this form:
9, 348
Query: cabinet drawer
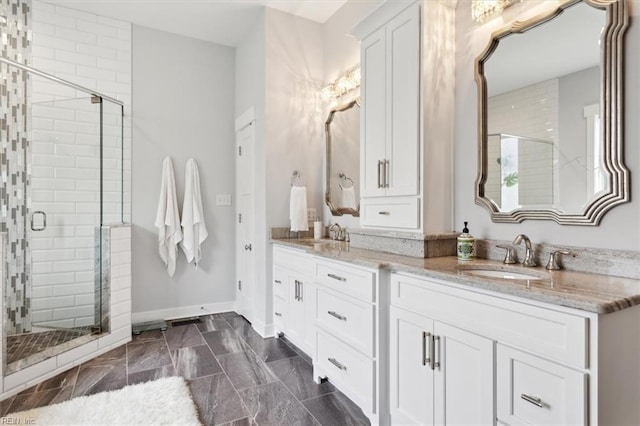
554, 334
280, 313
294, 260
534, 391
352, 281
349, 370
391, 212
280, 283
349, 319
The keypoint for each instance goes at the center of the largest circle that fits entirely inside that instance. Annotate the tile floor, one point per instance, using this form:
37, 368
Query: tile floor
236, 377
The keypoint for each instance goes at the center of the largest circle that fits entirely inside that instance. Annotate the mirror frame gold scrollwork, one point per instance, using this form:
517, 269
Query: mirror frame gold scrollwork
336, 211
611, 104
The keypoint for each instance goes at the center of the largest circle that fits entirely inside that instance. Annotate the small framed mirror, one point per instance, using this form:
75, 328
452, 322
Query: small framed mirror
550, 116
342, 130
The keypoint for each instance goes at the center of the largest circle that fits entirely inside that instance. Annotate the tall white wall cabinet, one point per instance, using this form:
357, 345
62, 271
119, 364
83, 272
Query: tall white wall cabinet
398, 90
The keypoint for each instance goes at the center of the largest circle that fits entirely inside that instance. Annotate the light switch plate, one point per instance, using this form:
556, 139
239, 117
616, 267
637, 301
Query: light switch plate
223, 199
311, 215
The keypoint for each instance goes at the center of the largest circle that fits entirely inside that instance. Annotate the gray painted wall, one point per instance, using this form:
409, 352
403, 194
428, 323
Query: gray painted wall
183, 106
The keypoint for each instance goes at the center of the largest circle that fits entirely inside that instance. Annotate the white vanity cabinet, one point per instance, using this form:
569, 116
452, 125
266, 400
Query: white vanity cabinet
390, 119
351, 349
469, 356
440, 374
294, 297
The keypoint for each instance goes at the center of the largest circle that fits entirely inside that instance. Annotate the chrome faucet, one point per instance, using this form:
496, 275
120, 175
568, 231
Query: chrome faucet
337, 232
528, 254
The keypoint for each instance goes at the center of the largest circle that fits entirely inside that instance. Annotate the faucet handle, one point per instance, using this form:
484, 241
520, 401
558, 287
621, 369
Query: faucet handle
552, 264
508, 256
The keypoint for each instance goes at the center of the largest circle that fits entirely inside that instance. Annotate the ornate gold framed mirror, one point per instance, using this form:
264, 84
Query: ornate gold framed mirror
342, 130
550, 122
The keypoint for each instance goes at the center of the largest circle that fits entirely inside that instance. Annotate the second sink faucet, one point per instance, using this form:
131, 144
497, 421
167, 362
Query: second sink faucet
528, 254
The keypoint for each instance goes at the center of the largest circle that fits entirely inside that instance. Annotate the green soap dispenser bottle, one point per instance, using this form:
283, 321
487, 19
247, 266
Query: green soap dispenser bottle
466, 247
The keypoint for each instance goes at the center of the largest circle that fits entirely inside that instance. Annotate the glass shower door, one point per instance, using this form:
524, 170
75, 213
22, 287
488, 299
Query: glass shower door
60, 299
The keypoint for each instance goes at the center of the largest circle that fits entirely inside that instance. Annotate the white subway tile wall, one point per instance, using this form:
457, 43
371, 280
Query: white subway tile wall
531, 112
94, 52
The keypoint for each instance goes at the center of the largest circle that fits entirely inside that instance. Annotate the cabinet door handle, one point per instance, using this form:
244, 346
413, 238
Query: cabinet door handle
386, 173
426, 336
337, 315
337, 364
384, 213
533, 400
300, 290
278, 314
380, 174
435, 364
278, 282
336, 277
296, 288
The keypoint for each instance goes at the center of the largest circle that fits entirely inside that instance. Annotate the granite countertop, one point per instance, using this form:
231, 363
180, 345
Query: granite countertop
585, 291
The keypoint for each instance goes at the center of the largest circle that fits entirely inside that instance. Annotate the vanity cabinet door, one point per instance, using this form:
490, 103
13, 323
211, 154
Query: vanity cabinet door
439, 374
464, 391
403, 103
373, 110
390, 115
411, 376
297, 324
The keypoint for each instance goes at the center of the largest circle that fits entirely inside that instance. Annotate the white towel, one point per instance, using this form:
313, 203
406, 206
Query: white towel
168, 218
348, 196
298, 209
193, 226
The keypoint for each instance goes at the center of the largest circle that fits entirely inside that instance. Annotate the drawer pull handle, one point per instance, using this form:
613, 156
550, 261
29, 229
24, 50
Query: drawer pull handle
533, 400
337, 364
278, 282
337, 315
426, 360
278, 314
385, 213
336, 277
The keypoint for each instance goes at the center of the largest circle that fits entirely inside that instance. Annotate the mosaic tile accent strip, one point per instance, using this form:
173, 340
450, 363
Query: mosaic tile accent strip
14, 154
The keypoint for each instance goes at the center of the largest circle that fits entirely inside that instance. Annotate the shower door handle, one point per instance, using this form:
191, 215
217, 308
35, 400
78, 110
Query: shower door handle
44, 221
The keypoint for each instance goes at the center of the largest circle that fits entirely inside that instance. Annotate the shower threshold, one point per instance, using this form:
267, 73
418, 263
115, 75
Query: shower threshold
24, 350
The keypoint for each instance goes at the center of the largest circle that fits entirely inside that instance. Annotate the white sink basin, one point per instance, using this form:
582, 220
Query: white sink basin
503, 273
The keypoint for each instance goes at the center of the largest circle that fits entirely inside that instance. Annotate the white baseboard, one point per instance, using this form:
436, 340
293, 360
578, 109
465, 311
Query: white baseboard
182, 312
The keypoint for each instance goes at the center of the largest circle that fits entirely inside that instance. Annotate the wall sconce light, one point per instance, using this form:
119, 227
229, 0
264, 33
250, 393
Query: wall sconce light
482, 9
343, 84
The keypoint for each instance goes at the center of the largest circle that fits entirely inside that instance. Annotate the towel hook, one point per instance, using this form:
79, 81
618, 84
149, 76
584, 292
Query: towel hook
295, 176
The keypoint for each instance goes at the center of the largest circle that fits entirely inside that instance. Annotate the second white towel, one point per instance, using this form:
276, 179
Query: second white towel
298, 209
193, 225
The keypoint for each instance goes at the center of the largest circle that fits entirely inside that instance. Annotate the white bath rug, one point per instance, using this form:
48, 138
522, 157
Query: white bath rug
165, 401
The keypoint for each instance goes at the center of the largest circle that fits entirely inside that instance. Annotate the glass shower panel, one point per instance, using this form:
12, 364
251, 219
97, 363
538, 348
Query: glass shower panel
64, 214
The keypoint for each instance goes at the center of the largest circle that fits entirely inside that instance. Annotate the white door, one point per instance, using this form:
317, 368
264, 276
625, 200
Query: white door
411, 374
245, 220
464, 392
403, 105
372, 114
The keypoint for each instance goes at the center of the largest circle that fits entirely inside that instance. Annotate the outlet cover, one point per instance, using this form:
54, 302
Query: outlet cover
223, 199
311, 215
